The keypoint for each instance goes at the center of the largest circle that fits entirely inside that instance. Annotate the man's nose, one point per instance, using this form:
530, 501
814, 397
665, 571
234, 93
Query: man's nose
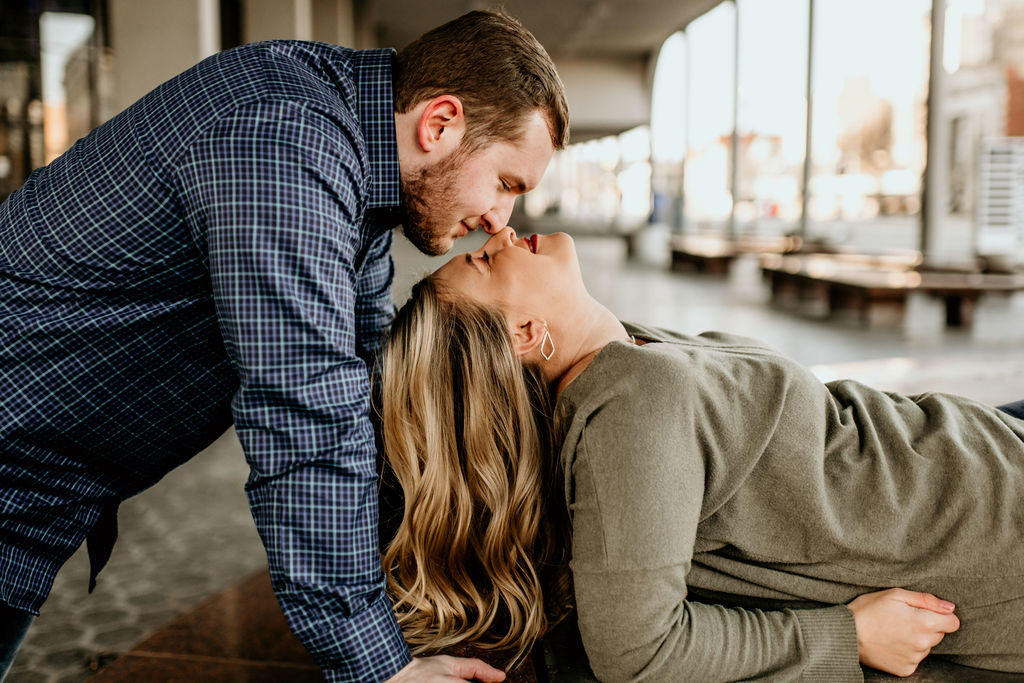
497, 218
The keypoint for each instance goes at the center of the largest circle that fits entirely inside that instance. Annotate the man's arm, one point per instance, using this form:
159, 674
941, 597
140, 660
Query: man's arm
275, 193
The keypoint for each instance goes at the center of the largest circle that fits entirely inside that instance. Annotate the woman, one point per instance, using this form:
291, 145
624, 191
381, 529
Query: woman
730, 516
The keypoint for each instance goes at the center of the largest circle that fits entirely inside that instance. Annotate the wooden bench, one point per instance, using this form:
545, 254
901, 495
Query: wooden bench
714, 254
875, 289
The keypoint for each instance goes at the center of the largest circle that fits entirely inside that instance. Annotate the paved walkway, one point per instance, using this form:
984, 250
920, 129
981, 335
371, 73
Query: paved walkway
191, 536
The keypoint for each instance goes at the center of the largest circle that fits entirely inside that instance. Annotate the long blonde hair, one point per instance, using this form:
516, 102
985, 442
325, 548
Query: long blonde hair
482, 552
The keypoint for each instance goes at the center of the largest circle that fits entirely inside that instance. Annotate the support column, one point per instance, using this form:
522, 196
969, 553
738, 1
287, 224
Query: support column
153, 40
809, 115
933, 206
734, 152
278, 19
334, 22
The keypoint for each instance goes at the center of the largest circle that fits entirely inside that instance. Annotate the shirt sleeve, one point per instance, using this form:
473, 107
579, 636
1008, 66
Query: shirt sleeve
637, 495
275, 193
375, 308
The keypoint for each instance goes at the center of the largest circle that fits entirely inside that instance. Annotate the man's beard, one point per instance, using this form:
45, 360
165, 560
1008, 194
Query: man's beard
426, 199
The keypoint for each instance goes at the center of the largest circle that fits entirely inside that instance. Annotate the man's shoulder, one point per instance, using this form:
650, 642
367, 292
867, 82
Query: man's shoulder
313, 73
258, 82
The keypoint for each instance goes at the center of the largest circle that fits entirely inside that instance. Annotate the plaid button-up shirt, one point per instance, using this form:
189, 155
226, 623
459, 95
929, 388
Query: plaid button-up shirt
218, 252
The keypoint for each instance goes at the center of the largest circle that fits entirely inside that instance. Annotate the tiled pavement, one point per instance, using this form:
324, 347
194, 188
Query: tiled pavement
191, 536
182, 540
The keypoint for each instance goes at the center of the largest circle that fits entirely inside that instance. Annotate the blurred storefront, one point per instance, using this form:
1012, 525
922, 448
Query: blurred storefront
52, 63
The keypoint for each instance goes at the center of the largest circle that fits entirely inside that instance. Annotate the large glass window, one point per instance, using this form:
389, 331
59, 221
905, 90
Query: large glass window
707, 177
668, 131
771, 113
869, 86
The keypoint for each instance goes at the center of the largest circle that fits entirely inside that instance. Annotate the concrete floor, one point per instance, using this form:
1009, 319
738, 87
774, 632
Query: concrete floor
191, 536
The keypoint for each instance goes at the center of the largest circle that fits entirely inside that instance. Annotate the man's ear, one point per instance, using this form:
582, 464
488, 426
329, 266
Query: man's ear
527, 335
441, 125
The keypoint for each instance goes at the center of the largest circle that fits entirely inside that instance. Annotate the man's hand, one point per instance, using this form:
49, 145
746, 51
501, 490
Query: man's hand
445, 669
897, 628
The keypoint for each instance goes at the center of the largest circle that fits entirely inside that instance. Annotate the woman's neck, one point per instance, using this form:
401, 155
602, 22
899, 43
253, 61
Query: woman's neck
585, 333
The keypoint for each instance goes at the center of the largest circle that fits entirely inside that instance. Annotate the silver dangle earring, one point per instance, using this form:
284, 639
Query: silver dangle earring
547, 340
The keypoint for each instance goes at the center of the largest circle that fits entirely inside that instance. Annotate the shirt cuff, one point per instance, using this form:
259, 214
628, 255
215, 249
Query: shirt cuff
370, 646
830, 639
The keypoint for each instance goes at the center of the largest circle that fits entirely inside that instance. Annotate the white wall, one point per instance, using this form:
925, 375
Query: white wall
152, 41
605, 96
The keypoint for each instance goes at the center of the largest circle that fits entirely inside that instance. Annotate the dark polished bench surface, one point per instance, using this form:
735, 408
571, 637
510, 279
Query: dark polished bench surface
240, 635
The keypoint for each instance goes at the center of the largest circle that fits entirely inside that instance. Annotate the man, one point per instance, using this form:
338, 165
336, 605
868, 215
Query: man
218, 253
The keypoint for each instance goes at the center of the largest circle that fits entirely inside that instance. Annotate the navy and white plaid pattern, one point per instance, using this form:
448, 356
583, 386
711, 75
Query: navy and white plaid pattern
218, 252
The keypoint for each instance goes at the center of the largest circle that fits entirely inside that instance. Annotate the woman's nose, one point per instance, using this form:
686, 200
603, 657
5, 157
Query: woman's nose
499, 240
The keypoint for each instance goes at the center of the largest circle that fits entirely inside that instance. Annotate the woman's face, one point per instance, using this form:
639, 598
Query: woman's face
537, 276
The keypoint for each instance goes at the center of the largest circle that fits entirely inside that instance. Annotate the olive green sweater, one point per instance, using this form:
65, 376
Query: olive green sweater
726, 505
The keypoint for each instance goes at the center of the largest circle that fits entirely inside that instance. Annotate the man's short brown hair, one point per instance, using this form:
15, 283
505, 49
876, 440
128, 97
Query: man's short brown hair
499, 71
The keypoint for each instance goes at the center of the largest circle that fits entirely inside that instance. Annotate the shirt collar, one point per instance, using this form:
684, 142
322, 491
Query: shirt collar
373, 71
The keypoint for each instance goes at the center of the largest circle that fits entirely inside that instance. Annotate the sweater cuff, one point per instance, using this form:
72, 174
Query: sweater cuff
830, 640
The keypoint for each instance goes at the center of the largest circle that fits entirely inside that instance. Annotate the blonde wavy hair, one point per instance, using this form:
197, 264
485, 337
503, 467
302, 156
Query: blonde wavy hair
482, 552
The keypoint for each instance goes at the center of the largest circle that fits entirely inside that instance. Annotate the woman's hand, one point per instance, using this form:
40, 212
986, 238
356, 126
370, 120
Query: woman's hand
897, 628
445, 669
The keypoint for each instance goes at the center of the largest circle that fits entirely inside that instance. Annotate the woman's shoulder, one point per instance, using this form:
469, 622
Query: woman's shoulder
631, 391
663, 365
709, 339
625, 388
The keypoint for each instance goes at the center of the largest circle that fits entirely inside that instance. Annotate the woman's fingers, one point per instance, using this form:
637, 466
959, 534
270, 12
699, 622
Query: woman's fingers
947, 623
941, 616
924, 601
897, 628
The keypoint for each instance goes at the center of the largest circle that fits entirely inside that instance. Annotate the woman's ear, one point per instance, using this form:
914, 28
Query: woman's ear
441, 125
528, 335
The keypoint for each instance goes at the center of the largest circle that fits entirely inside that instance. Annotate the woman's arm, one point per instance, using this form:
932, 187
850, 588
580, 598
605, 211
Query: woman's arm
634, 525
635, 515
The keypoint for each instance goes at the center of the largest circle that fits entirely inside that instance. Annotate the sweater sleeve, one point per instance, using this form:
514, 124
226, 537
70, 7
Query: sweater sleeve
636, 497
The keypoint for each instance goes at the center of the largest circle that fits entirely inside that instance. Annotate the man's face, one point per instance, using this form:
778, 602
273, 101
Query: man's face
466, 191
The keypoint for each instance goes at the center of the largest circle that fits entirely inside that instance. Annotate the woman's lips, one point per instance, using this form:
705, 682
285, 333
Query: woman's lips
533, 243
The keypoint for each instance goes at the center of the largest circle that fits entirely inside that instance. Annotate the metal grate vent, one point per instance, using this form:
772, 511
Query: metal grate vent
1000, 226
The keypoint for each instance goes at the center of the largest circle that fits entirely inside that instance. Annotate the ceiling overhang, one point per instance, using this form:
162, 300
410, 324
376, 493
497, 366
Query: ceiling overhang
605, 50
